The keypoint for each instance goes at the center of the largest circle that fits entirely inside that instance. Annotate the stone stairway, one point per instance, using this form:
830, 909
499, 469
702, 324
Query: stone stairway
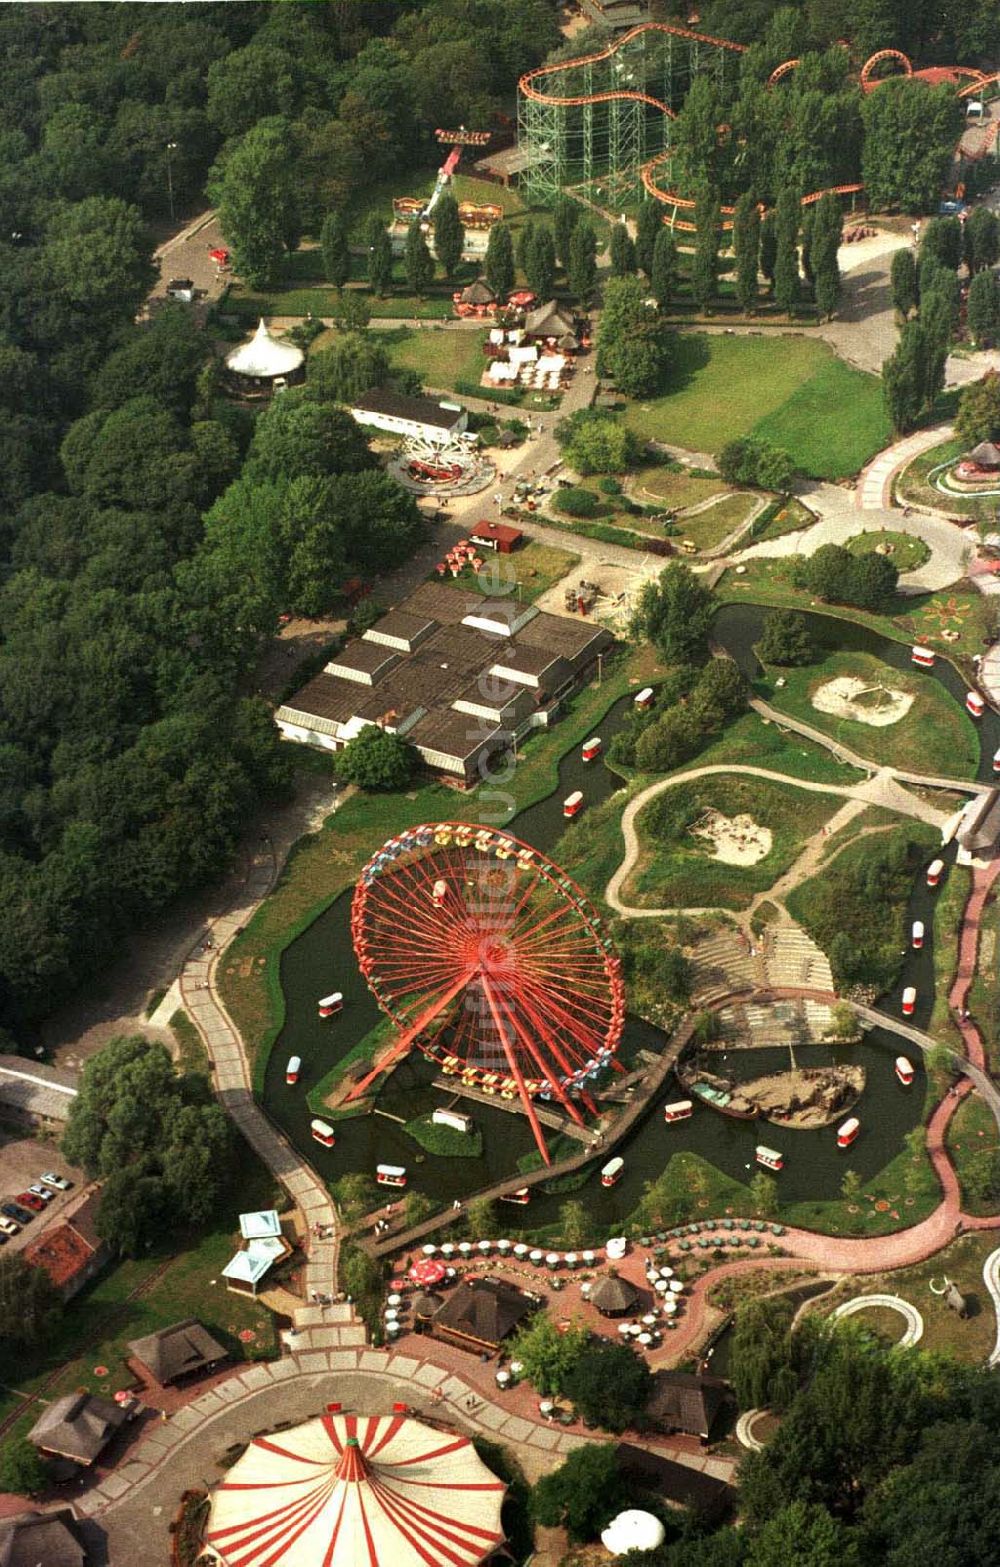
324, 1327
723, 964
791, 958
753, 1024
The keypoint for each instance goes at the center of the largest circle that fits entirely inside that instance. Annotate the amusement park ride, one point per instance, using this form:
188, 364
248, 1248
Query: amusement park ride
492, 962
413, 209
606, 116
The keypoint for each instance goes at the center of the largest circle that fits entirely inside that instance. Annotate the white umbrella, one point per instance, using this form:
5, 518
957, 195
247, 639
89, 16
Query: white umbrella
517, 1367
645, 1338
633, 1531
391, 1315
649, 1318
430, 1250
485, 1247
666, 1273
661, 1286
589, 1259
553, 1259
624, 1329
503, 1378
670, 1305
448, 1249
571, 1259
394, 1300
546, 1406
392, 1328
465, 1247
675, 1286
503, 1247
616, 1248
537, 1257
520, 1251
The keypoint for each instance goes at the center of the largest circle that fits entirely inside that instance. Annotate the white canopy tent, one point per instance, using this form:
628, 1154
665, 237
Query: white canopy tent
264, 358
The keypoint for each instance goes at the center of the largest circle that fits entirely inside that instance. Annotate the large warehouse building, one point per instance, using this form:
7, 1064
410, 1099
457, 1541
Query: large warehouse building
459, 675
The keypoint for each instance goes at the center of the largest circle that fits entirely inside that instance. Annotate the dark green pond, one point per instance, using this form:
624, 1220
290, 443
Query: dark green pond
322, 959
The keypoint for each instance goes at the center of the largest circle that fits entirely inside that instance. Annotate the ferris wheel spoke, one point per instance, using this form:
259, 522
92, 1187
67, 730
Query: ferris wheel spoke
531, 1045
577, 1021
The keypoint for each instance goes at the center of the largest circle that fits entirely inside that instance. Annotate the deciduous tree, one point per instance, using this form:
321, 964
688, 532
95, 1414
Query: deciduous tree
417, 261
376, 760
449, 235
499, 265
622, 252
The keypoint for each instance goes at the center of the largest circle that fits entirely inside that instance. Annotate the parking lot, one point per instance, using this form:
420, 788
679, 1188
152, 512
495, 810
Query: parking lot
22, 1160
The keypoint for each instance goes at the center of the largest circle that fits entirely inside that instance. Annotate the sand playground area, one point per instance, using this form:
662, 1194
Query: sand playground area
735, 840
849, 697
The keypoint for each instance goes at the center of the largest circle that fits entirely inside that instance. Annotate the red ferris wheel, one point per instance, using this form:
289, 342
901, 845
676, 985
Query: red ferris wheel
492, 961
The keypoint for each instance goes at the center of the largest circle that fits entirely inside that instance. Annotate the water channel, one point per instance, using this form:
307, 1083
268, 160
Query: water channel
322, 959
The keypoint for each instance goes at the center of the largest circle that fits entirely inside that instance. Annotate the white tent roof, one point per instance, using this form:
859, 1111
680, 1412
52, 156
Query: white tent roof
357, 1491
264, 356
633, 1530
247, 1266
255, 1226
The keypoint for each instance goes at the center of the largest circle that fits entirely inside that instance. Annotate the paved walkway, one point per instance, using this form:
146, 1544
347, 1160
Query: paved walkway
991, 1278
950, 548
874, 490
136, 1503
233, 1088
911, 1316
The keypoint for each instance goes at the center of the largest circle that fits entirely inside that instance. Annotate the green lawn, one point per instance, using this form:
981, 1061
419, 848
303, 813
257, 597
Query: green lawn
676, 869
791, 390
961, 612
949, 906
131, 1299
753, 743
935, 735
905, 551
708, 528
536, 568
972, 1131
674, 486
440, 358
790, 517
945, 1332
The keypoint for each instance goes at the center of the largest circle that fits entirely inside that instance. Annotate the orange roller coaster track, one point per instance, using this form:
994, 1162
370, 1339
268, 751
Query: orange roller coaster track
543, 125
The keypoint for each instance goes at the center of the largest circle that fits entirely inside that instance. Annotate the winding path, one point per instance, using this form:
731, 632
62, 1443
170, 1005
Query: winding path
911, 1316
879, 790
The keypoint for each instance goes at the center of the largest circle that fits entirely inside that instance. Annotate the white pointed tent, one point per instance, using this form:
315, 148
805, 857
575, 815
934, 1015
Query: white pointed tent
357, 1491
264, 358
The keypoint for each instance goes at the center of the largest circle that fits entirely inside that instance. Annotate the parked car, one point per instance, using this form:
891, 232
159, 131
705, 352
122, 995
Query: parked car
58, 1181
16, 1210
8, 1227
46, 1193
29, 1200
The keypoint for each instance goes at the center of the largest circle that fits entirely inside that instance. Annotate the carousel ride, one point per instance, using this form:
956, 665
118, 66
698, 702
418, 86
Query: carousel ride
493, 963
429, 468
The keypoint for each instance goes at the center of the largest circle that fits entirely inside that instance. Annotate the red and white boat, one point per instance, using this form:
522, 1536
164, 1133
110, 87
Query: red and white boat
612, 1172
909, 1001
934, 871
293, 1069
681, 1110
328, 1005
591, 748
522, 1196
923, 657
996, 761
904, 1071
848, 1132
917, 934
770, 1158
644, 698
975, 704
390, 1174
572, 803
323, 1133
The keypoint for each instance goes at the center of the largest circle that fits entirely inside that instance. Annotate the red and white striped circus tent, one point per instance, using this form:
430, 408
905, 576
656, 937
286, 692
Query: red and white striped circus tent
357, 1491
